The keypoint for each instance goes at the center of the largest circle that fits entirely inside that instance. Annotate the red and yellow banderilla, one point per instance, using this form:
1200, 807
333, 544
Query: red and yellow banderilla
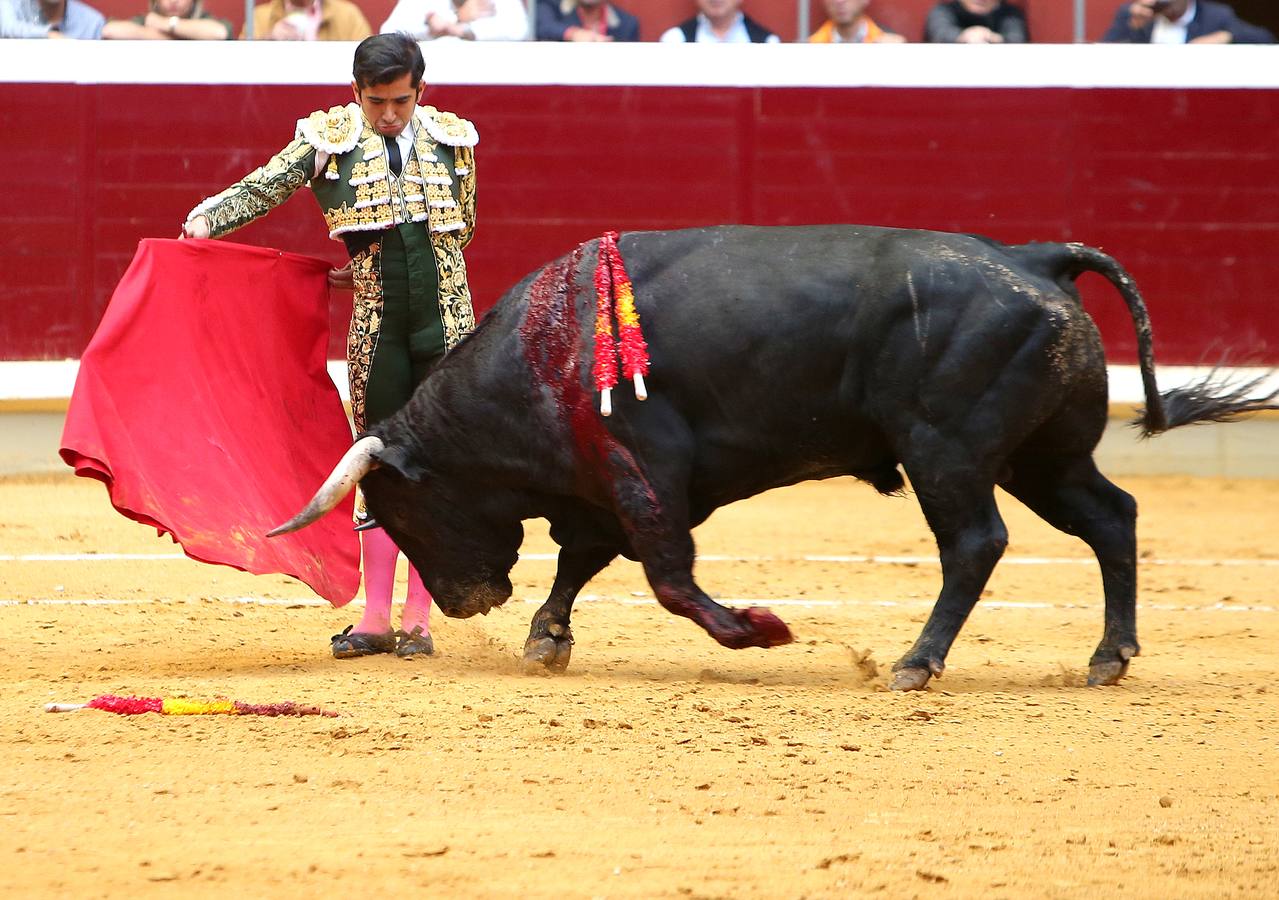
615, 299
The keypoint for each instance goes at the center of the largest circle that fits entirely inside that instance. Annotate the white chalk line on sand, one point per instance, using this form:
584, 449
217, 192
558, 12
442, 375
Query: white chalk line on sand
643, 600
713, 557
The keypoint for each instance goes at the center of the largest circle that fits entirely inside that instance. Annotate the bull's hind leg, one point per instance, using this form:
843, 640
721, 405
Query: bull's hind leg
1074, 497
550, 637
971, 538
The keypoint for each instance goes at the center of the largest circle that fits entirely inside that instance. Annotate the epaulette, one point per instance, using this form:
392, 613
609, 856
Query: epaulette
334, 131
447, 128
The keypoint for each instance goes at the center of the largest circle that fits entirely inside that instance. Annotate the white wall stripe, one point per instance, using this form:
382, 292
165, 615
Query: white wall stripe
141, 601
54, 379
652, 64
90, 557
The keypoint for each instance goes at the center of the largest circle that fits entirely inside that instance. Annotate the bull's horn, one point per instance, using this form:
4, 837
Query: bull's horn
346, 474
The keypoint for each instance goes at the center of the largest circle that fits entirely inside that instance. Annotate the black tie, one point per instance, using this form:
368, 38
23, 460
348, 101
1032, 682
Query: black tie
393, 156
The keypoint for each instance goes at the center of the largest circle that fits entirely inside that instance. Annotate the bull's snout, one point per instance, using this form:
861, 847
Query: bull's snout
463, 601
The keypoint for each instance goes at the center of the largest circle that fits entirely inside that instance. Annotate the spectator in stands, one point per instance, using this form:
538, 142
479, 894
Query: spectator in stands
584, 20
309, 20
976, 22
1182, 22
719, 22
468, 20
181, 20
49, 19
849, 24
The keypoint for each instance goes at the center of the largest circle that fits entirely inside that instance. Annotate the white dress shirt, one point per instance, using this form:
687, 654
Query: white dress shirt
509, 21
1167, 32
737, 34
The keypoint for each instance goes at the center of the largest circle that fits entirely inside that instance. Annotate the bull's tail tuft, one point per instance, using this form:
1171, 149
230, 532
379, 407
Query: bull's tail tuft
1213, 398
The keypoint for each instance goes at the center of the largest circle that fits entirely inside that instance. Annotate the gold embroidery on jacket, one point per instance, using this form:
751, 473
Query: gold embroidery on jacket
375, 192
439, 196
456, 312
448, 128
466, 192
366, 322
333, 130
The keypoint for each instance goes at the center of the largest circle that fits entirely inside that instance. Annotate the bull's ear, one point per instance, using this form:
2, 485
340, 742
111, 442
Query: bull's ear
397, 457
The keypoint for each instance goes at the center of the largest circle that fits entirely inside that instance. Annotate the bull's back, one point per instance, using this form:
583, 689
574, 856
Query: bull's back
820, 315
805, 352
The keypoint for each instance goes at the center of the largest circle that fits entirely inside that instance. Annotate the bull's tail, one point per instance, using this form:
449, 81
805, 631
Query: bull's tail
1211, 399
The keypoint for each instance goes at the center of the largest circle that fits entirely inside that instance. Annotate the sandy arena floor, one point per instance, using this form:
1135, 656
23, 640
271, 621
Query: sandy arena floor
661, 765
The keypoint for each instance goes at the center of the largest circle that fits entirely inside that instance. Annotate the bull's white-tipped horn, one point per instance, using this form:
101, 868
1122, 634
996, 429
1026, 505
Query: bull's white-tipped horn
353, 466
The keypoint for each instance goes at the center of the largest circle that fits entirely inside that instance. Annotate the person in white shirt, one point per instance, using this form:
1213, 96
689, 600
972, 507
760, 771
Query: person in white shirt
719, 22
1182, 22
468, 20
51, 19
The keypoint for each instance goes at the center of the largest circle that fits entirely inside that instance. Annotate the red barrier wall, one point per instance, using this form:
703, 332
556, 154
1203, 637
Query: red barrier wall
1179, 184
1051, 21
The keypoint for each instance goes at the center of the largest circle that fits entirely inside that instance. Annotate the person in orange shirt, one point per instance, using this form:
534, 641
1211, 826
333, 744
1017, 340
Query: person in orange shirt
309, 20
849, 24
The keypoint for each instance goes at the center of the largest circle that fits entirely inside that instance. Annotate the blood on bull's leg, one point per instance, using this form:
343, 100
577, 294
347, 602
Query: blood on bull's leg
659, 534
735, 629
1072, 496
550, 637
971, 538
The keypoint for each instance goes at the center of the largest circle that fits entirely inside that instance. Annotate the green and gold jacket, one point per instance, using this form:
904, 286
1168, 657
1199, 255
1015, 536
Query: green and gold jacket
356, 194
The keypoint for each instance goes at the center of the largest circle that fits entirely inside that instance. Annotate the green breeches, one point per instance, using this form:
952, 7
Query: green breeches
410, 340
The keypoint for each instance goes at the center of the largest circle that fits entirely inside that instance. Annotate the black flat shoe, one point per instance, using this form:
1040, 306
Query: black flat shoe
350, 644
414, 643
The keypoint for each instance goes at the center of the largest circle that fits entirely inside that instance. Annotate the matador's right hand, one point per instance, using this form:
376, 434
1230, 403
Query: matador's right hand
197, 228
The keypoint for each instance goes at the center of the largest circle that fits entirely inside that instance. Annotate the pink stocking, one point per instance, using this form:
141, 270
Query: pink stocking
417, 608
379, 553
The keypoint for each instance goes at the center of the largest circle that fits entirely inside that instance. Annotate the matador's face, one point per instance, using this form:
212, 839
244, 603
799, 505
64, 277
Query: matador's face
388, 107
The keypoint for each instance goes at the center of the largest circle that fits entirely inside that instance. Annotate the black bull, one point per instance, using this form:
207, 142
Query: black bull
778, 355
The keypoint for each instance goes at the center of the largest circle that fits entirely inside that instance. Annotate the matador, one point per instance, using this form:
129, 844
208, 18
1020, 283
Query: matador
396, 183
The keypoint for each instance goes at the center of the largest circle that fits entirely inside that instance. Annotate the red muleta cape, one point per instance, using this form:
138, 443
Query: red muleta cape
204, 405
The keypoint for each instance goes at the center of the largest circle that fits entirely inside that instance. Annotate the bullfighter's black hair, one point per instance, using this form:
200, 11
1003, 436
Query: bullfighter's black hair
383, 58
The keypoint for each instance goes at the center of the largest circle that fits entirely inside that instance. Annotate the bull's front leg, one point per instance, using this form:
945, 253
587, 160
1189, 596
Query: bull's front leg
550, 638
658, 531
733, 628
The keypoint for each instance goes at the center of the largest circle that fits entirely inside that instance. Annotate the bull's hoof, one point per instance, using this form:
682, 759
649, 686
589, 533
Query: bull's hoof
773, 630
1103, 670
910, 679
549, 653
1103, 673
